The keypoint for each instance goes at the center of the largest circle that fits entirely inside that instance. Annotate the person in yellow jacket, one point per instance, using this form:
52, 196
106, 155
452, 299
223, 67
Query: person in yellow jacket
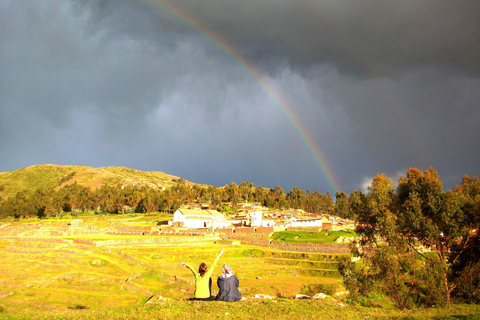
203, 282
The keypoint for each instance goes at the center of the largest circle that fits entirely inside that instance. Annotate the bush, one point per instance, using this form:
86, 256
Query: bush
128, 210
409, 281
357, 282
78, 307
313, 289
468, 284
76, 212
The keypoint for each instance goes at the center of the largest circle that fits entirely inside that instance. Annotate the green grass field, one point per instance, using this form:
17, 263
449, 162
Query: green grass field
253, 309
46, 277
323, 236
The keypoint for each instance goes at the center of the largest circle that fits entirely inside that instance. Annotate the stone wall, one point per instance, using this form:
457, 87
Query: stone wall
302, 247
166, 236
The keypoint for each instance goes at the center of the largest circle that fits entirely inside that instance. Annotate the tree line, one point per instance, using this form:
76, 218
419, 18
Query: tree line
420, 246
118, 199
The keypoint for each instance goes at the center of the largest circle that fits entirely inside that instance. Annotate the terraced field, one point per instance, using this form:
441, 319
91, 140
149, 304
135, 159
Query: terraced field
45, 272
89, 274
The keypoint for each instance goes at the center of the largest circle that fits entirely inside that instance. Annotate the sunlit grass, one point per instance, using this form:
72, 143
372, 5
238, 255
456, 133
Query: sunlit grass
47, 280
250, 309
119, 276
323, 236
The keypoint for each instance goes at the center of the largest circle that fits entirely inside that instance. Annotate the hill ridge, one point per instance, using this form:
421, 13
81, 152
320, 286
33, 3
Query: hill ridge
52, 176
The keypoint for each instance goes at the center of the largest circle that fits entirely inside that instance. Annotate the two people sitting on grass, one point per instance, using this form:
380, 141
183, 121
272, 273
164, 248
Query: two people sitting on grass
227, 282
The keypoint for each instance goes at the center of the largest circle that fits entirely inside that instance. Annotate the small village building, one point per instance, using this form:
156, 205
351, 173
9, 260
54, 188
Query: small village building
197, 219
258, 221
338, 226
308, 222
326, 224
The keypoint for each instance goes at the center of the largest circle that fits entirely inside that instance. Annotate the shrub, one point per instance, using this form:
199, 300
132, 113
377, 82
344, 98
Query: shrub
78, 307
468, 284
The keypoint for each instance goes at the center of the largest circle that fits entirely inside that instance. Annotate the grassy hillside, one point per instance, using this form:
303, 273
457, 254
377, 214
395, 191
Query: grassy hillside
55, 176
43, 273
61, 277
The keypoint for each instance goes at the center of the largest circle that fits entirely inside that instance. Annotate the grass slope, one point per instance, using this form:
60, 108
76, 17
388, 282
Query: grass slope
252, 309
50, 176
323, 236
53, 277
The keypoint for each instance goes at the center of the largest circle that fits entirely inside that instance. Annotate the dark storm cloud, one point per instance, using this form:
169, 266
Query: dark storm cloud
106, 84
54, 62
365, 37
378, 87
423, 118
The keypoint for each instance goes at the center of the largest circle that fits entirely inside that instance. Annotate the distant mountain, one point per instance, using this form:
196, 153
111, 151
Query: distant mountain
50, 176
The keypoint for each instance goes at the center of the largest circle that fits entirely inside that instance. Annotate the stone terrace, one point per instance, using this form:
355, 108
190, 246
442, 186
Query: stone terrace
162, 235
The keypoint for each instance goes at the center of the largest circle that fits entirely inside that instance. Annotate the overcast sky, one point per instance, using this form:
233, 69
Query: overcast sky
321, 95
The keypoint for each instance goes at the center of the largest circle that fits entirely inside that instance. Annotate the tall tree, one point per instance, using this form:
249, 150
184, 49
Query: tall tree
394, 225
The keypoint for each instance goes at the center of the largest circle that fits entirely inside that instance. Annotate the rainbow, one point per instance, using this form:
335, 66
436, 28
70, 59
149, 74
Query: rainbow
266, 85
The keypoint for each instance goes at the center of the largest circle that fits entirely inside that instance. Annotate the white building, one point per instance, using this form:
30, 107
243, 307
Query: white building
258, 221
194, 218
312, 222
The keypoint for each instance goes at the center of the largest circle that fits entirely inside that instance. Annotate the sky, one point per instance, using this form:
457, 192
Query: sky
319, 95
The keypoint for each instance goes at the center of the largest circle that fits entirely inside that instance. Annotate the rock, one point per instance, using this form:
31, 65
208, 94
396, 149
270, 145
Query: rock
342, 293
302, 296
75, 222
320, 296
6, 294
96, 262
262, 296
155, 299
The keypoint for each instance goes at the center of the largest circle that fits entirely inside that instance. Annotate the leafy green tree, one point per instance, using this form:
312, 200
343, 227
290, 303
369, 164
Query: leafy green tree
466, 252
342, 205
429, 216
233, 193
394, 225
245, 191
296, 198
358, 282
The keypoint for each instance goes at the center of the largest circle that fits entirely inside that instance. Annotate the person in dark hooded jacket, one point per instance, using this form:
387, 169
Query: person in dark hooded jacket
228, 285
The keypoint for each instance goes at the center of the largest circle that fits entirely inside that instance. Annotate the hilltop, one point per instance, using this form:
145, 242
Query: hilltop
49, 176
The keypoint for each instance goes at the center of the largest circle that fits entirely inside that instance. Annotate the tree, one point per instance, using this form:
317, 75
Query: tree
296, 198
245, 189
431, 217
466, 264
392, 227
233, 193
342, 205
